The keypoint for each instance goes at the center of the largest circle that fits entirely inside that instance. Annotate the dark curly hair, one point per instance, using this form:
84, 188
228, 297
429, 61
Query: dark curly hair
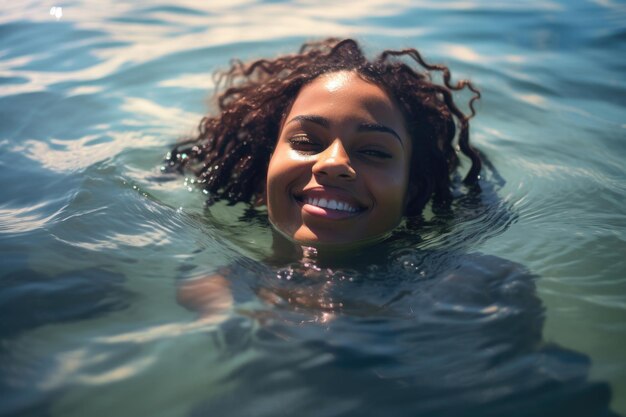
231, 154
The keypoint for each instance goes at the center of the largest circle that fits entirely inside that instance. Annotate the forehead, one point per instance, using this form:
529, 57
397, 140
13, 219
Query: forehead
345, 95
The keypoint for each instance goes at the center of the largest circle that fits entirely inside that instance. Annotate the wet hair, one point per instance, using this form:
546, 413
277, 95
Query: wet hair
231, 153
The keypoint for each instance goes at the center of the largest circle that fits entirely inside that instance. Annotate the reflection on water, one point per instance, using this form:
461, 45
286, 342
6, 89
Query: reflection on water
96, 243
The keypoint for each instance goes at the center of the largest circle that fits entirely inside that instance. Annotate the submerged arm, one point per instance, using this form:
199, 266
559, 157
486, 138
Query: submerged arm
209, 296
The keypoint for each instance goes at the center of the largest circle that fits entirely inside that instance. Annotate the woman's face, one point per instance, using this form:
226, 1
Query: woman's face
340, 171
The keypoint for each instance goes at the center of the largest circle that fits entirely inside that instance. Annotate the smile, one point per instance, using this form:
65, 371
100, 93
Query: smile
328, 204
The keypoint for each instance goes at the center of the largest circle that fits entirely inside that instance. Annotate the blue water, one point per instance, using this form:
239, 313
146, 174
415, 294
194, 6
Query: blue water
94, 240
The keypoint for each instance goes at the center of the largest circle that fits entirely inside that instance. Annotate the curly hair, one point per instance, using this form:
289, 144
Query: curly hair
231, 153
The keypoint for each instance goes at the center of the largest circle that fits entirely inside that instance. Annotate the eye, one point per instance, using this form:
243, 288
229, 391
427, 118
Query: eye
304, 144
375, 153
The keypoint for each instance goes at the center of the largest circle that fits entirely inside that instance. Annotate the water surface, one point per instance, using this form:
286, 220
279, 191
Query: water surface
94, 239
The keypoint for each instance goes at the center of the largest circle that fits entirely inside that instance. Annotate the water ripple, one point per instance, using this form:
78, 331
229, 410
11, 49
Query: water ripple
25, 219
95, 238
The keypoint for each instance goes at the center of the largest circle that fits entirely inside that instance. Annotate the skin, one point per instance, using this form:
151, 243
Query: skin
344, 139
209, 296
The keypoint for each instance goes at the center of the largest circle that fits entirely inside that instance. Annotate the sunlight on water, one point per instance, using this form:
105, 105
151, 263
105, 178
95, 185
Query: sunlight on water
24, 219
62, 155
71, 369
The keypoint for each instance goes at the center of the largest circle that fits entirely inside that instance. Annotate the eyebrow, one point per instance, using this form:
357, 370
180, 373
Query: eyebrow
375, 127
319, 120
363, 127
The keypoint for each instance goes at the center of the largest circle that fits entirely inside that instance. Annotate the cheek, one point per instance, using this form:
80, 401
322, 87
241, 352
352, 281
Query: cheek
391, 189
283, 172
275, 169
287, 166
273, 182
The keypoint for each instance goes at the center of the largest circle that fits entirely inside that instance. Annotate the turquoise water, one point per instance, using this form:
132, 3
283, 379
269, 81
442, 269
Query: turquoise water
94, 239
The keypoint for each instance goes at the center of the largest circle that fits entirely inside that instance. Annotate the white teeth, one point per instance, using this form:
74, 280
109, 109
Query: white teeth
330, 204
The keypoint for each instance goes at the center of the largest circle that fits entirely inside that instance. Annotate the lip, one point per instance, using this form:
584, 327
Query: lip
328, 194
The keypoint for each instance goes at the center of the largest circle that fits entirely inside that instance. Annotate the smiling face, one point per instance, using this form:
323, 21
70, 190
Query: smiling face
340, 170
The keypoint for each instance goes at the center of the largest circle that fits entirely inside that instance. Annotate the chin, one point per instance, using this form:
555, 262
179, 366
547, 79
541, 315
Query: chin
329, 239
340, 244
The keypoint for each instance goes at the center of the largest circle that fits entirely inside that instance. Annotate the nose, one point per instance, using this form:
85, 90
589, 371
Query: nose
334, 162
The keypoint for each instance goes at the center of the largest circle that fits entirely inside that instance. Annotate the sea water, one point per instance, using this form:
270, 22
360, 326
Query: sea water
513, 305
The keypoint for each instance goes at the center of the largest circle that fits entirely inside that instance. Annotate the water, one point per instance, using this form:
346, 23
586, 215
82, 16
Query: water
94, 240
